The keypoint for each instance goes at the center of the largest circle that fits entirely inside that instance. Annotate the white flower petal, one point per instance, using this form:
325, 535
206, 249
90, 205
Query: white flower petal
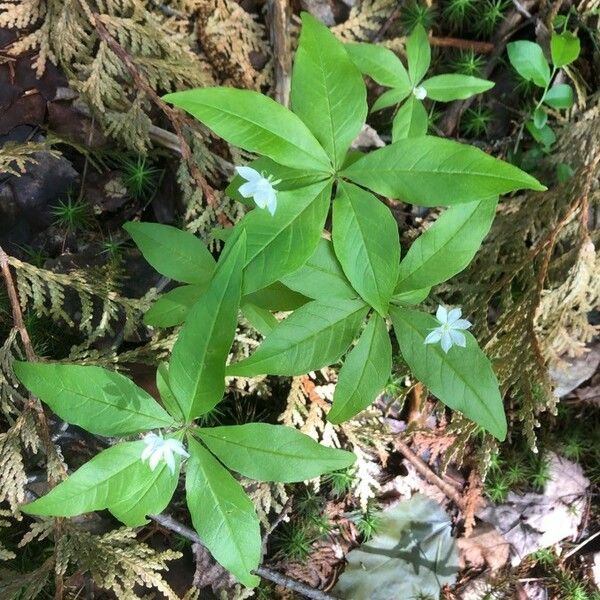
434, 337
272, 202
441, 314
248, 189
458, 338
446, 341
420, 92
461, 324
147, 452
169, 459
248, 173
453, 315
155, 459
261, 197
176, 446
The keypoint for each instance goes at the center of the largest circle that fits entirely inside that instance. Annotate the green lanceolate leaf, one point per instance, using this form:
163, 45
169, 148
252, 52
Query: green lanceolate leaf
117, 480
389, 98
174, 253
564, 48
431, 171
223, 515
315, 335
370, 262
101, 401
197, 369
328, 92
411, 120
448, 246
445, 88
289, 178
411, 297
462, 379
418, 54
279, 244
540, 118
364, 373
273, 452
529, 61
255, 123
261, 319
166, 393
276, 297
380, 64
560, 96
172, 308
321, 276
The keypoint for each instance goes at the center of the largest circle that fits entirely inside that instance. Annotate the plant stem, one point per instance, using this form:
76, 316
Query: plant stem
291, 584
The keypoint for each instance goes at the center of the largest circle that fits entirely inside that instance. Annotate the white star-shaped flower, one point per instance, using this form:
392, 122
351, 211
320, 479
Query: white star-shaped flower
260, 188
419, 92
157, 449
449, 332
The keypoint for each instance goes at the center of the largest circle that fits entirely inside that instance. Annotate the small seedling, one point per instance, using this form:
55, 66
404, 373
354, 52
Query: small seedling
415, 13
529, 61
476, 121
468, 62
71, 215
140, 176
490, 13
409, 88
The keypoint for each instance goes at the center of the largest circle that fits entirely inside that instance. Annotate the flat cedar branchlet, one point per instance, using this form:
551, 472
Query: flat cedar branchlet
351, 290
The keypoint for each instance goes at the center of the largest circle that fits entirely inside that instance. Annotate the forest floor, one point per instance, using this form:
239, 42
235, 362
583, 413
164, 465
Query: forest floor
515, 520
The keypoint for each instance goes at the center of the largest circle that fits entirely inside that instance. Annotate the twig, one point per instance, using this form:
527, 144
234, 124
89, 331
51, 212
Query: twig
581, 545
423, 469
173, 116
451, 42
278, 15
291, 584
521, 9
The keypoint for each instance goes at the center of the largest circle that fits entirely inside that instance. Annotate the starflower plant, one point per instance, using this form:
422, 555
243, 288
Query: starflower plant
409, 87
340, 289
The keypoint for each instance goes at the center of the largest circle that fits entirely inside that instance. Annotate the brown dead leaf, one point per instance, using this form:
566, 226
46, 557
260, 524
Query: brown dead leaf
484, 548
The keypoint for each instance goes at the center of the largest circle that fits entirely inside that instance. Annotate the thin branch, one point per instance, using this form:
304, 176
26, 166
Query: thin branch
172, 114
424, 469
451, 42
291, 584
278, 15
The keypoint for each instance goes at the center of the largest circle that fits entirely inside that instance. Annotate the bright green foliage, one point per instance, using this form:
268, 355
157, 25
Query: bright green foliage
256, 123
222, 514
385, 67
101, 401
369, 261
490, 13
313, 336
411, 120
280, 260
565, 48
117, 480
419, 172
280, 244
462, 378
447, 247
172, 308
272, 452
172, 252
197, 368
324, 72
365, 372
529, 61
321, 276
